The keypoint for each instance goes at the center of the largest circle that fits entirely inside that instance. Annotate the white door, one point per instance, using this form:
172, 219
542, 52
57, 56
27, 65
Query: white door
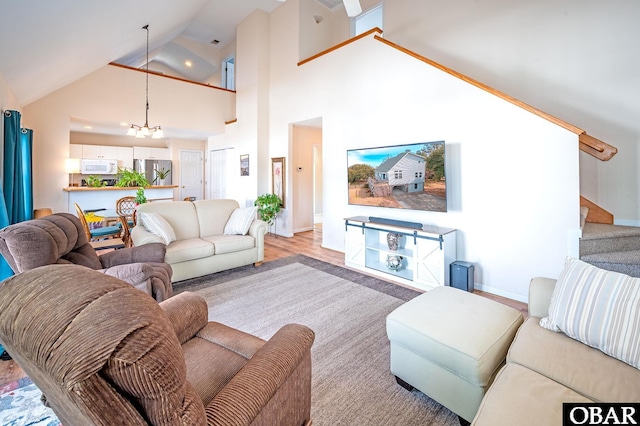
228, 73
218, 167
191, 174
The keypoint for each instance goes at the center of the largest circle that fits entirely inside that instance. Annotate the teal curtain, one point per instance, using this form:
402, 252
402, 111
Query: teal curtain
16, 204
17, 170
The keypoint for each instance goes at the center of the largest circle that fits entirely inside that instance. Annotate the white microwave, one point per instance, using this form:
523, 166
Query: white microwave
90, 166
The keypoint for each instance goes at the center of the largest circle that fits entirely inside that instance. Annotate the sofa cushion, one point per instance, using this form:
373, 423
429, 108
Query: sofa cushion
184, 250
231, 243
599, 308
519, 396
181, 215
158, 225
240, 221
572, 363
213, 215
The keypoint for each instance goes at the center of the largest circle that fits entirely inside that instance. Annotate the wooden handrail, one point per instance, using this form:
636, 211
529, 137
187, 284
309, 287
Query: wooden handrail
596, 147
592, 146
184, 80
338, 46
231, 121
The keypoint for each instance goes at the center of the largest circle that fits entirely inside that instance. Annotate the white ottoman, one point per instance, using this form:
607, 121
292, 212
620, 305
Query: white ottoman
449, 344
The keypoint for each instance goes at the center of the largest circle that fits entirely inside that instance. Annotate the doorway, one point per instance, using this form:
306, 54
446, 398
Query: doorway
228, 79
307, 175
218, 172
191, 174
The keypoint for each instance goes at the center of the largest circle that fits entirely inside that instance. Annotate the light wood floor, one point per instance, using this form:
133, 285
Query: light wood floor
276, 247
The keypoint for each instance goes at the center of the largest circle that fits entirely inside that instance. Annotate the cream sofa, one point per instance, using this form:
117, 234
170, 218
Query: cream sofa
545, 369
201, 247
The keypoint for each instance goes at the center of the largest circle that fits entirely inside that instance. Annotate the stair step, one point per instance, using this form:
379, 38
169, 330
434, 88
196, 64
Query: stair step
604, 238
594, 231
626, 262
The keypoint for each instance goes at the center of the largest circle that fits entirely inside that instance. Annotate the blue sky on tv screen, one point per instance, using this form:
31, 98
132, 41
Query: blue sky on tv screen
375, 156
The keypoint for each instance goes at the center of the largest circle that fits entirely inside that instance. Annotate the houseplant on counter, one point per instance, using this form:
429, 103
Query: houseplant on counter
140, 197
161, 175
268, 207
94, 181
128, 178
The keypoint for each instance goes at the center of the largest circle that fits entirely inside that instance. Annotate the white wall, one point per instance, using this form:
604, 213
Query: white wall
114, 95
575, 59
515, 207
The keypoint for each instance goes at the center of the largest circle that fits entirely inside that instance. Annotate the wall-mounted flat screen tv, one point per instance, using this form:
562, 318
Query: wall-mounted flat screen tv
407, 176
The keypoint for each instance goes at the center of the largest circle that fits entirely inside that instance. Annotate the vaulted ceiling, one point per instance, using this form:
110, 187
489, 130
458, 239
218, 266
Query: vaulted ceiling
46, 45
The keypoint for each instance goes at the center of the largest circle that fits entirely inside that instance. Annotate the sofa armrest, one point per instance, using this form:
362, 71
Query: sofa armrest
540, 293
137, 274
188, 314
140, 236
258, 382
153, 252
257, 230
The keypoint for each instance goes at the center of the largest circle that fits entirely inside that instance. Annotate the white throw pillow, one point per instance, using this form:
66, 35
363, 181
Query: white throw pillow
598, 308
158, 225
240, 221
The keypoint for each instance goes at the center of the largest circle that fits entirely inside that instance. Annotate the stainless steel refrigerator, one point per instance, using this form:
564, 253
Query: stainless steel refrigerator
157, 172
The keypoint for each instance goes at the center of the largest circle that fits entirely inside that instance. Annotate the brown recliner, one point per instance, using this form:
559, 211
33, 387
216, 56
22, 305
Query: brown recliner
111, 355
60, 238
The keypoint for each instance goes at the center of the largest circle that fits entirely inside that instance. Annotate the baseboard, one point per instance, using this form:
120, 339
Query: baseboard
502, 293
308, 228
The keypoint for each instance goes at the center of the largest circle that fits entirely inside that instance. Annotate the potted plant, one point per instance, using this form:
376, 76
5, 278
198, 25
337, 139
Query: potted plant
140, 197
268, 207
161, 175
94, 181
128, 178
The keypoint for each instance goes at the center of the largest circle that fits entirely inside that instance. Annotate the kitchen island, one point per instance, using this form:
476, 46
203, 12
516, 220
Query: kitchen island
89, 198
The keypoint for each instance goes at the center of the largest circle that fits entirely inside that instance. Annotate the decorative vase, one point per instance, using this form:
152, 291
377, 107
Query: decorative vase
393, 240
394, 262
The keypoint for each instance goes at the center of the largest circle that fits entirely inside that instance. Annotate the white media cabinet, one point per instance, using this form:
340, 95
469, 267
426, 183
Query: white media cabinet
426, 251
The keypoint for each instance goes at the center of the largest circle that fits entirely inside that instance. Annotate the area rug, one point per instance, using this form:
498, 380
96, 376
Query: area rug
20, 405
351, 383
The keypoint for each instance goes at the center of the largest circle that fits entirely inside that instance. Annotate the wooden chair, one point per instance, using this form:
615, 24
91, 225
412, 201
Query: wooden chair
97, 233
126, 207
126, 231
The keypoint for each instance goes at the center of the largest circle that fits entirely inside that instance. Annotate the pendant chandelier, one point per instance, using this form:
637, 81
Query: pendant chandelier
145, 131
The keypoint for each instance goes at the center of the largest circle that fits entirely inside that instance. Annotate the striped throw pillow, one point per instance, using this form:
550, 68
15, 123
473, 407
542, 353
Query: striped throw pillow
158, 226
598, 308
240, 221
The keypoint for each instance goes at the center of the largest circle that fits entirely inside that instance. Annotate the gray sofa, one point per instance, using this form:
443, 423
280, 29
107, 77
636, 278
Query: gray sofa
201, 247
545, 369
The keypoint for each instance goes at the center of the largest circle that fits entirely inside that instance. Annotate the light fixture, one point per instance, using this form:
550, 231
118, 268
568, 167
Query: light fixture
352, 7
72, 166
144, 131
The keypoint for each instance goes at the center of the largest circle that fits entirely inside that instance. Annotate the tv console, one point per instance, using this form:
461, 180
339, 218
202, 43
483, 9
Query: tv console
409, 253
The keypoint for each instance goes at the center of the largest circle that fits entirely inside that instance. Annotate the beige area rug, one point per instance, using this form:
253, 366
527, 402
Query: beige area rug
352, 384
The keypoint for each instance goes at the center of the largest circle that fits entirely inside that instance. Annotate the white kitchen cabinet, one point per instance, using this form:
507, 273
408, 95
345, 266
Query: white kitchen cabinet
100, 152
421, 259
146, 153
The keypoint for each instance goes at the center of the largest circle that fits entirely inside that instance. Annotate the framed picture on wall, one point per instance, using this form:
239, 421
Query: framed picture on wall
244, 165
278, 178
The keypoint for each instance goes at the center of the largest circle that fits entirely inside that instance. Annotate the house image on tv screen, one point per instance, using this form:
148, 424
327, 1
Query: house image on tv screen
405, 171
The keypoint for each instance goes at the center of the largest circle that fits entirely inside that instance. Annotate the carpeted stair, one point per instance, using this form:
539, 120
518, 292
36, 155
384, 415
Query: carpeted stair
611, 247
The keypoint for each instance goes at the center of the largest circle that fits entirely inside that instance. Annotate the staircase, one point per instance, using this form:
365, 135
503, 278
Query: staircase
611, 247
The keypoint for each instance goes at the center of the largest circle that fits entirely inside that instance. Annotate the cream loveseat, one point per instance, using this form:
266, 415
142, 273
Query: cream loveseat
194, 233
547, 368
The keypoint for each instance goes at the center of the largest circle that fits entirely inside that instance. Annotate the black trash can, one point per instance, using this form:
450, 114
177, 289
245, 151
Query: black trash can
461, 275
